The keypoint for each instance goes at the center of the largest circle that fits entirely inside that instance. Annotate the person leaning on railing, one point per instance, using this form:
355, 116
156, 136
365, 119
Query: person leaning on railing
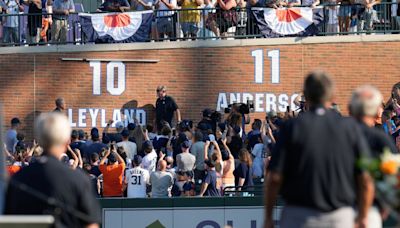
223, 19
61, 10
366, 20
190, 19
34, 21
165, 18
10, 26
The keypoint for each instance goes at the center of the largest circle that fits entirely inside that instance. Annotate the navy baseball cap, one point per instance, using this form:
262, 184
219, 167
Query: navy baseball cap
74, 134
137, 159
209, 163
131, 126
125, 133
207, 112
188, 186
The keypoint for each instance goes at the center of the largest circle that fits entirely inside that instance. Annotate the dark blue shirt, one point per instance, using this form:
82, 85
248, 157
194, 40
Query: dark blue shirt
95, 147
211, 180
246, 172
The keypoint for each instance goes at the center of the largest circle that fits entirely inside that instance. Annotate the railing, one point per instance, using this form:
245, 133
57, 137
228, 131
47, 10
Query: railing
195, 24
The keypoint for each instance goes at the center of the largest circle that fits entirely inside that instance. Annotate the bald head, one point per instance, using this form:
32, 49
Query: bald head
366, 101
162, 165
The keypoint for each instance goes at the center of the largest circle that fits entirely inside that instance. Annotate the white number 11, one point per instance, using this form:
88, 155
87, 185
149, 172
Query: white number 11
274, 55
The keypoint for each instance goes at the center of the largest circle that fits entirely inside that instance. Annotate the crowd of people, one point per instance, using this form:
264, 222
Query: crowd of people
190, 19
311, 157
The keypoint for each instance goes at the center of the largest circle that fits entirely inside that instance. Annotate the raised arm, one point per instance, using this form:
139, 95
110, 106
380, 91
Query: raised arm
103, 159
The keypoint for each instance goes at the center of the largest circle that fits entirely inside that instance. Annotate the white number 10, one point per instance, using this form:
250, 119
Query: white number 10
259, 65
120, 88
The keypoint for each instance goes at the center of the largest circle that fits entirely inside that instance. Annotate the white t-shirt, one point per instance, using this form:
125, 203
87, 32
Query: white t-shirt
164, 10
137, 179
149, 161
129, 147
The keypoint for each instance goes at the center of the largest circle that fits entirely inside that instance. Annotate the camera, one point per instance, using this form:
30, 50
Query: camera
243, 108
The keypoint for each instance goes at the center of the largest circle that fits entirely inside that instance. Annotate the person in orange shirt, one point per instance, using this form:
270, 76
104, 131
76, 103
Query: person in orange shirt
112, 173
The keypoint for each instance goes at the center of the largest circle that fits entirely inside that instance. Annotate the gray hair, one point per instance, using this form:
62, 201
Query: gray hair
52, 129
365, 101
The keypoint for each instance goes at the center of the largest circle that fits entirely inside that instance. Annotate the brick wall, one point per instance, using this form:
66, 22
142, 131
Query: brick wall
30, 82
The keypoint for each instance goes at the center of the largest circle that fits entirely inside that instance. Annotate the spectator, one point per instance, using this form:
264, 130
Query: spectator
130, 148
228, 179
165, 23
165, 107
190, 19
341, 145
344, 15
209, 185
11, 23
112, 173
114, 137
76, 143
197, 150
114, 6
366, 21
62, 189
11, 135
235, 142
189, 189
258, 153
252, 136
387, 123
136, 179
364, 106
310, 3
161, 181
160, 141
93, 179
223, 19
138, 136
60, 105
61, 11
34, 21
185, 161
81, 136
150, 160
332, 25
94, 147
94, 164
142, 4
244, 171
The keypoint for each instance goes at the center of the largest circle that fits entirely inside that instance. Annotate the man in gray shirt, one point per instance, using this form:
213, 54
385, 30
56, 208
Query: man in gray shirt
197, 150
185, 161
161, 181
61, 11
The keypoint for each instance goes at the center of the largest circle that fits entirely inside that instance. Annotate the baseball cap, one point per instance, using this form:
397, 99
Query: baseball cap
131, 126
137, 159
125, 133
188, 186
185, 144
207, 112
15, 120
111, 158
119, 125
271, 114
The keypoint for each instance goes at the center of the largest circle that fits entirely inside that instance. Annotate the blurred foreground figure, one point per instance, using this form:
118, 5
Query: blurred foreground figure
366, 107
50, 187
314, 168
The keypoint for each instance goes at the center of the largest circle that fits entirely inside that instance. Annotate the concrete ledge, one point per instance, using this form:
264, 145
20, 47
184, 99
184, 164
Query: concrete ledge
201, 44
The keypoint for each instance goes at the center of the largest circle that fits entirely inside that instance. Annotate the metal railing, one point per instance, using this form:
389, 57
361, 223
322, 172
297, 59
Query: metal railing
194, 24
